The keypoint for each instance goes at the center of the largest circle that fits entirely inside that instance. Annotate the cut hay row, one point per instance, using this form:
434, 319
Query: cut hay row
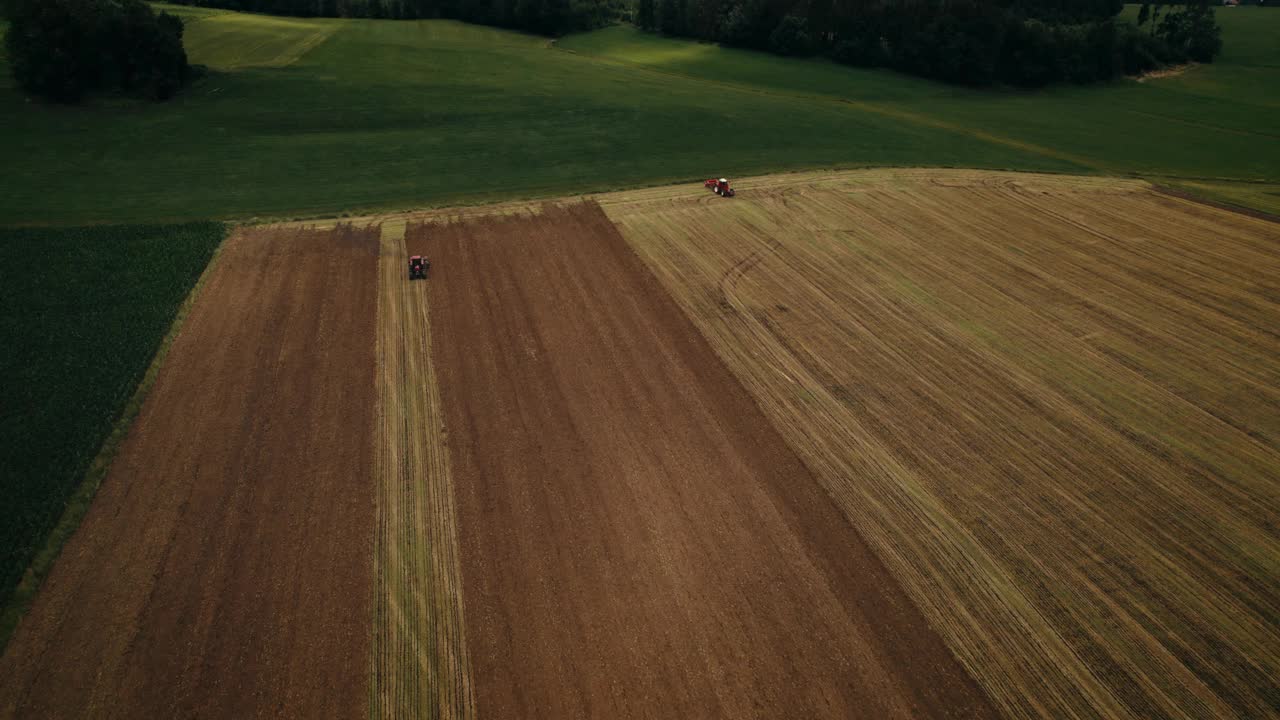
1050, 406
420, 667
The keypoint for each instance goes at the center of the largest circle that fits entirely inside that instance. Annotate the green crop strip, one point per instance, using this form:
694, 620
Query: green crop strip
90, 313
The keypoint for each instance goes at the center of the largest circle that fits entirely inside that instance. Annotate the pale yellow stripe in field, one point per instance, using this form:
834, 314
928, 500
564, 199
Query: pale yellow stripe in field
235, 41
420, 667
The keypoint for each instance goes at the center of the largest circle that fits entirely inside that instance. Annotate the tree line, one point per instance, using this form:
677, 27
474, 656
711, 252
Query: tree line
62, 50
1026, 43
544, 17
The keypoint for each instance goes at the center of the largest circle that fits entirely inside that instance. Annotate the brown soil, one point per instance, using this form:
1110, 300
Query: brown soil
637, 539
224, 568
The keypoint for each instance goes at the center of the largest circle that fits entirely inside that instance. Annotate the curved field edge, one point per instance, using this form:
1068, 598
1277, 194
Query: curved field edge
1199, 126
80, 499
398, 114
692, 187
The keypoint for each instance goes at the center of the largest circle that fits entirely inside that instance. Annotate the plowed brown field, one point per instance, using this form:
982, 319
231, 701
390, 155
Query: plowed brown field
224, 569
1051, 405
636, 539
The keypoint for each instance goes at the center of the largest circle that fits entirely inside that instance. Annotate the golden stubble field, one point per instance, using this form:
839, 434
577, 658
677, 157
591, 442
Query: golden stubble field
1051, 405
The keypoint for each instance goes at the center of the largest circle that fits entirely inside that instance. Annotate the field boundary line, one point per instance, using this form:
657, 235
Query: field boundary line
691, 186
78, 504
1187, 196
420, 667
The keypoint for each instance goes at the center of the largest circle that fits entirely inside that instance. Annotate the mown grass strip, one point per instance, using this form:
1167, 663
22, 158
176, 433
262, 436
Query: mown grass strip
419, 664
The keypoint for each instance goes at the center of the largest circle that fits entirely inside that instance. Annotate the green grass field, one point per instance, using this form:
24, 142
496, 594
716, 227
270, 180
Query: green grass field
232, 41
82, 312
1211, 122
312, 117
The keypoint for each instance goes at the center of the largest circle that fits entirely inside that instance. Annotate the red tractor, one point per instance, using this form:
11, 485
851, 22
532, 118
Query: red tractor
719, 187
418, 267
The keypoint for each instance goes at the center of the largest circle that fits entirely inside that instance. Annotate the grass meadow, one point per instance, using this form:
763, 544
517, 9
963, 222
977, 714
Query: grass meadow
314, 117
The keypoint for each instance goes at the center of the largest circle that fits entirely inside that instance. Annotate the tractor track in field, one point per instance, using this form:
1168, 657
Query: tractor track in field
224, 567
420, 667
636, 539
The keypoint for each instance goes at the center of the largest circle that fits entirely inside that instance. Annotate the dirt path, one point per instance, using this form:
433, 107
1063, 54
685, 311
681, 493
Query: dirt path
420, 665
224, 568
637, 540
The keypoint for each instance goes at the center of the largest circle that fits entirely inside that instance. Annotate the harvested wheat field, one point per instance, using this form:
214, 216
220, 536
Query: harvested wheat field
636, 540
1051, 406
224, 569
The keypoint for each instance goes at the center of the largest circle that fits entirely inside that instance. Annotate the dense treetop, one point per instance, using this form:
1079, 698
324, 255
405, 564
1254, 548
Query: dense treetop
977, 42
62, 50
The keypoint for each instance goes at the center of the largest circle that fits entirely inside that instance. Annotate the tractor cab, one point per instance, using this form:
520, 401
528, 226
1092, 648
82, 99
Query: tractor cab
418, 267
